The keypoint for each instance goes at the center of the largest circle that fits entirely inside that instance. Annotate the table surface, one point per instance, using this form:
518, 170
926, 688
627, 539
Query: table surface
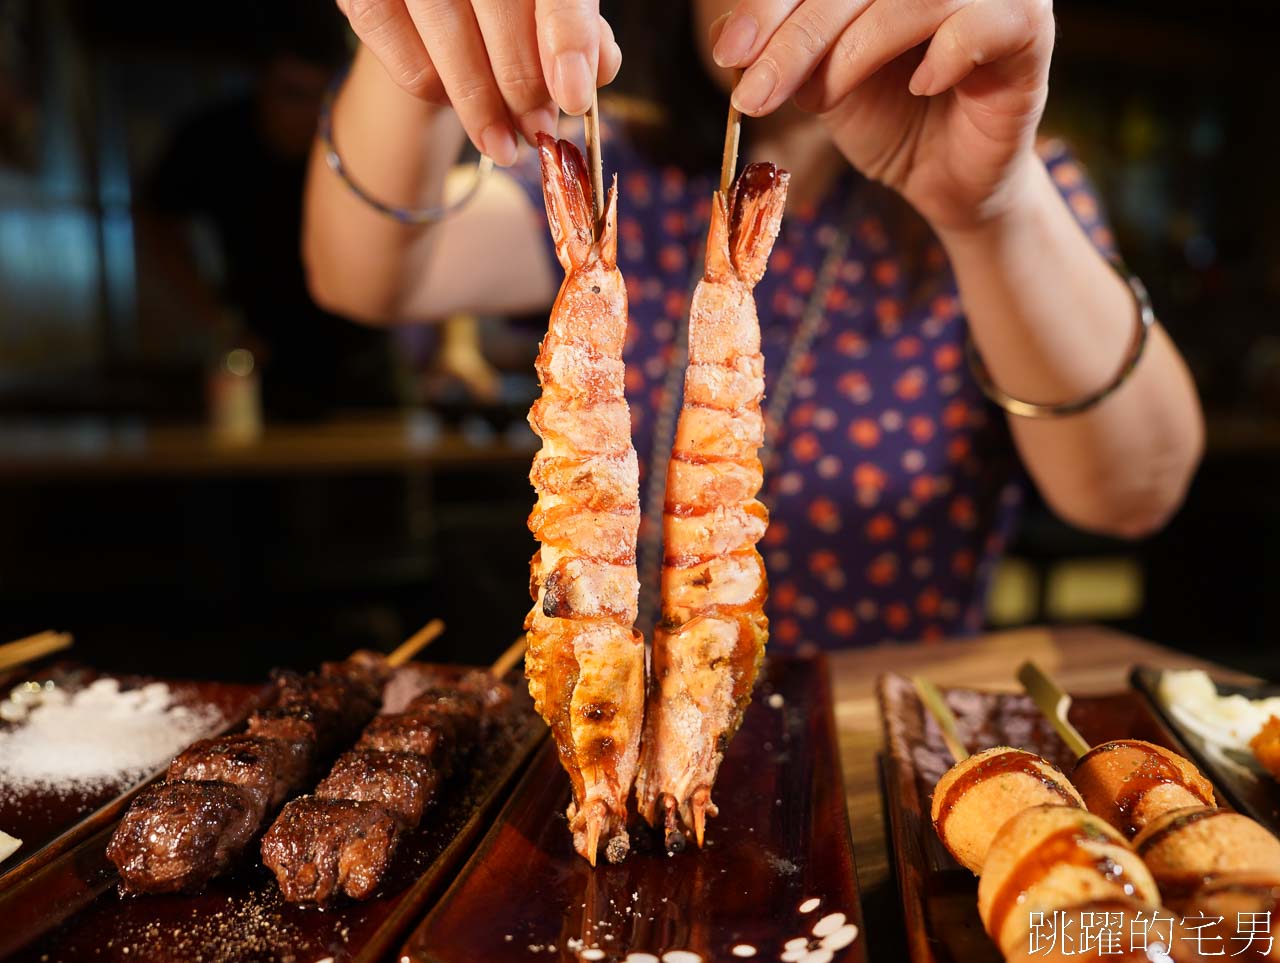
1083, 659
101, 447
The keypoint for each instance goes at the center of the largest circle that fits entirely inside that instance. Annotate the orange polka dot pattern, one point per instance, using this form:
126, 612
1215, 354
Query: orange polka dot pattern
894, 484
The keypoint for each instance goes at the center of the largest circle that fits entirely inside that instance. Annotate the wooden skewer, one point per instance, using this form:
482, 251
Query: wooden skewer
1054, 703
937, 707
33, 647
729, 162
416, 643
591, 121
507, 661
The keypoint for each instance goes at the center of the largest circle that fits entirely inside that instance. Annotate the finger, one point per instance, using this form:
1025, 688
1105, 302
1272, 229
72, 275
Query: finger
792, 53
982, 33
610, 55
456, 48
385, 27
885, 31
746, 28
511, 43
569, 40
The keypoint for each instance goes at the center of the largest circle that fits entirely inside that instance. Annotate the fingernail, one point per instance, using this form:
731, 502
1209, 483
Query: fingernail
543, 119
499, 144
735, 39
922, 80
756, 87
572, 79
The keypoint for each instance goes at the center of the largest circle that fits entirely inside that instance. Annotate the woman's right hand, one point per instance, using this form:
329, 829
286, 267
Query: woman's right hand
505, 66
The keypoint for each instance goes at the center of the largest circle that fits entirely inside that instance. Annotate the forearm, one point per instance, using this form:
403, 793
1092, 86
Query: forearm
398, 148
1054, 322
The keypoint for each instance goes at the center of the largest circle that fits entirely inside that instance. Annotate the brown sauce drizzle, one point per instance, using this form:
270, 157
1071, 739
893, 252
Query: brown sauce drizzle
1175, 824
1066, 846
1012, 761
1154, 770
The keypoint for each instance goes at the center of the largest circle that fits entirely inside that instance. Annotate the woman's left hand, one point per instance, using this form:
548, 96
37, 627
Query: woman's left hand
951, 126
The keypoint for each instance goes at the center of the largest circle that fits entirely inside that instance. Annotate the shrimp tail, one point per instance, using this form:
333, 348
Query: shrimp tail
566, 188
755, 207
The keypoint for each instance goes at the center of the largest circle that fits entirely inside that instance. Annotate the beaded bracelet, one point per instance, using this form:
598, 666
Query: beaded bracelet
1028, 409
416, 216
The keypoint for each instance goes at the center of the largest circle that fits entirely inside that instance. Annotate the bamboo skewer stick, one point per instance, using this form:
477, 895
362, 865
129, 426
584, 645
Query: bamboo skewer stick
729, 162
937, 707
33, 647
507, 661
591, 121
1054, 703
416, 643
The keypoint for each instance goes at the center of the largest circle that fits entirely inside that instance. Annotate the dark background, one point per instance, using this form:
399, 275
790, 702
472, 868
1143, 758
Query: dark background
174, 566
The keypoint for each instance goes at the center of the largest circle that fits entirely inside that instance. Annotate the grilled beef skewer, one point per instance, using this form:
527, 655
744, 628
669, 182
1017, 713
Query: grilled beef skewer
344, 837
180, 833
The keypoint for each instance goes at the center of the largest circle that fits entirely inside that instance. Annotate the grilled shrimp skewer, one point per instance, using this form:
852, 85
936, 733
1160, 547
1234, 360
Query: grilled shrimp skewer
585, 662
710, 640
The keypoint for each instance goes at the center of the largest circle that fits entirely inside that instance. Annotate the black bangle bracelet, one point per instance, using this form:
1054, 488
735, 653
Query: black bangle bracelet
1028, 409
415, 216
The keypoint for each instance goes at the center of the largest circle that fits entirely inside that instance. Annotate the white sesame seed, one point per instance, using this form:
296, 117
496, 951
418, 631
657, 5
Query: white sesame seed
799, 943
680, 956
828, 924
744, 950
841, 937
809, 905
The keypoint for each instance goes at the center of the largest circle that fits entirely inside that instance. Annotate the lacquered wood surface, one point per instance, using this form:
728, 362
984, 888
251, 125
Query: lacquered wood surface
781, 838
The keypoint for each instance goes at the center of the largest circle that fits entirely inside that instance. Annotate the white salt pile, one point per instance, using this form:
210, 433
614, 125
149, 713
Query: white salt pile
98, 736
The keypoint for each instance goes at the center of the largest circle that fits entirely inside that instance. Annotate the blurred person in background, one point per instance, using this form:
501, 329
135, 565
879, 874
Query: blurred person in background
240, 167
923, 210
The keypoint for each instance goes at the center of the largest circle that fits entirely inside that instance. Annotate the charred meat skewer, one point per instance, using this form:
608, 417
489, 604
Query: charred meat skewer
344, 837
180, 833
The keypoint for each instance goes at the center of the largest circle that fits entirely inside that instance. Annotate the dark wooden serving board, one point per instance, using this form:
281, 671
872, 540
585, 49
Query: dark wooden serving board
1248, 788
939, 896
782, 837
50, 823
69, 909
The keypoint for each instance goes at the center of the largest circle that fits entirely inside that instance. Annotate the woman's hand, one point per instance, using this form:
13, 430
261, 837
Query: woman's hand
951, 126
503, 65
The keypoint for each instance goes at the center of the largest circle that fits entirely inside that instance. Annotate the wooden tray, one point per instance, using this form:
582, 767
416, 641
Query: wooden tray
940, 897
50, 823
1244, 784
782, 837
69, 909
